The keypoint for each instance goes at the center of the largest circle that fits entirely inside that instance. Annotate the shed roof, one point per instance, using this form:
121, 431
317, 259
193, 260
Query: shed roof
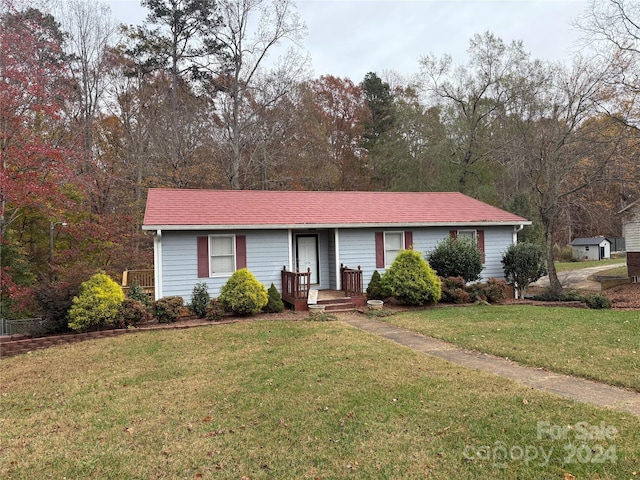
588, 241
183, 209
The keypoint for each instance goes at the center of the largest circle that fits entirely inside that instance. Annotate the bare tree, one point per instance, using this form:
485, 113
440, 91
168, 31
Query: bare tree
90, 30
612, 31
560, 145
251, 82
472, 98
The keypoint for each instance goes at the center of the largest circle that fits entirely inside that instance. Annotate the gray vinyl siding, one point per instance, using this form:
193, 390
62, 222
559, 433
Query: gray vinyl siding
333, 284
358, 247
267, 253
496, 243
323, 259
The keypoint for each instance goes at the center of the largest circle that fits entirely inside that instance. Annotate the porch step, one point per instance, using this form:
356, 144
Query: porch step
337, 304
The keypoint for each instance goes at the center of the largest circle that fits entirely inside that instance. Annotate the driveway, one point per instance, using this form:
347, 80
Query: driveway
577, 279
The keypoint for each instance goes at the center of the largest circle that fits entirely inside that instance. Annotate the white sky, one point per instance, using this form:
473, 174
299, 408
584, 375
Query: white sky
348, 38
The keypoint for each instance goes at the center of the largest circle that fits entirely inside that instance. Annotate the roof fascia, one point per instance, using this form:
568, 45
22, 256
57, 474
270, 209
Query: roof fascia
323, 225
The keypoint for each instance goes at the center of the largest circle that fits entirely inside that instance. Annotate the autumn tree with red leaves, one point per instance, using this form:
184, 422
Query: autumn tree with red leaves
33, 156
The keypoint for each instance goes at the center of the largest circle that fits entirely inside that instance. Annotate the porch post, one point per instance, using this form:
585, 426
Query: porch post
336, 234
290, 238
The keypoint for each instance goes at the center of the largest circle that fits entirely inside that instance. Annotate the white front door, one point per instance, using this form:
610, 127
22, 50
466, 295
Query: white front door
307, 247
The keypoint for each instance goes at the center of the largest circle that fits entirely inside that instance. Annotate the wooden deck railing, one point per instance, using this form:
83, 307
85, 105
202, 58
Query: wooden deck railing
144, 278
295, 285
351, 281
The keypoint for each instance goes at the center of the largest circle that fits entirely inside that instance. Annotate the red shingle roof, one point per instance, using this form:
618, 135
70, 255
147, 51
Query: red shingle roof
194, 209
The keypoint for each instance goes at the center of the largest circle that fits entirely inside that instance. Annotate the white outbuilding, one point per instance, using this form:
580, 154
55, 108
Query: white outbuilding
595, 248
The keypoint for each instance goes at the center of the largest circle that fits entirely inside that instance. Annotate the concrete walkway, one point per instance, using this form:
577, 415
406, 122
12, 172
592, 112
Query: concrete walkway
578, 389
577, 279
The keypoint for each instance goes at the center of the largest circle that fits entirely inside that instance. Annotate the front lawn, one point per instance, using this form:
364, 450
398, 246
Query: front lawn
602, 345
564, 266
289, 400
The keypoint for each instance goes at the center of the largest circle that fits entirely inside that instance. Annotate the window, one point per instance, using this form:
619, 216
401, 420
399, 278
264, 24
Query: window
476, 236
586, 248
222, 255
470, 234
393, 243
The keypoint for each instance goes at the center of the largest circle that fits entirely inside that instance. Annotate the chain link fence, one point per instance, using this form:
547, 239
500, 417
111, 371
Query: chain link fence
22, 326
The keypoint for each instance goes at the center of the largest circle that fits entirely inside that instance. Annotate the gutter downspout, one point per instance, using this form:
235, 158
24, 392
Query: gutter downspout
515, 233
514, 241
336, 235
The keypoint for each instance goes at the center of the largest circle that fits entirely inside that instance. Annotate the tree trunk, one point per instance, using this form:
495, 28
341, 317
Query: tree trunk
548, 221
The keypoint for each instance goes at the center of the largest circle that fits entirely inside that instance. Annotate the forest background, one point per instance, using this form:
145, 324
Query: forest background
217, 94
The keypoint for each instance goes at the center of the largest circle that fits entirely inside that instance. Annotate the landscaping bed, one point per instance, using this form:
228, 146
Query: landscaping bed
624, 296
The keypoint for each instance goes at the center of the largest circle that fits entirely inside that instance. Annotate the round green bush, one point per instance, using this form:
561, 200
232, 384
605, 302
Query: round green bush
97, 303
411, 280
457, 257
243, 294
168, 309
199, 300
524, 263
131, 312
597, 301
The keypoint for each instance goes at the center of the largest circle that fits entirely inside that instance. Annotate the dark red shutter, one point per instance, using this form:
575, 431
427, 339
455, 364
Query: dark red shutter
480, 236
453, 234
408, 240
203, 257
379, 249
241, 251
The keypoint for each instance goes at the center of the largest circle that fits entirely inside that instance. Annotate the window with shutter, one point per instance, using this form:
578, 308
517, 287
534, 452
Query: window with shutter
476, 236
393, 243
220, 255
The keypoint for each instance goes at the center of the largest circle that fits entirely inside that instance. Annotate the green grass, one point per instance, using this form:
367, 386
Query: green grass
612, 272
565, 266
285, 400
602, 345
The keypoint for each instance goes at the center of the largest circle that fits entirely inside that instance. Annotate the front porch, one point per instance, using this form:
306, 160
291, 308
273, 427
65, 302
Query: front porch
297, 285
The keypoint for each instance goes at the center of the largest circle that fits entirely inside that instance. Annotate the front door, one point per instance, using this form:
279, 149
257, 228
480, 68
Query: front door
307, 255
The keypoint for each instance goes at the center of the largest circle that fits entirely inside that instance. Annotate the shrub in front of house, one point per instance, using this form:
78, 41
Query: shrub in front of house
97, 303
523, 263
457, 257
491, 291
375, 289
454, 291
199, 300
53, 301
243, 294
168, 309
215, 312
136, 292
274, 302
131, 312
411, 280
597, 301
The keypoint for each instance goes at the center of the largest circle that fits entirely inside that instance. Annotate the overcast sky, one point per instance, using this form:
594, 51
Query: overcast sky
349, 38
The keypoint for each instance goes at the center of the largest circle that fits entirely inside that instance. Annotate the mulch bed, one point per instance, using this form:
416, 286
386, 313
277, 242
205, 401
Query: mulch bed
624, 296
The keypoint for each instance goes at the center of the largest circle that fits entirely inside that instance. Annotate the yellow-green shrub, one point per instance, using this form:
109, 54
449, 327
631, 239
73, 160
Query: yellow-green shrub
243, 294
97, 303
411, 280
